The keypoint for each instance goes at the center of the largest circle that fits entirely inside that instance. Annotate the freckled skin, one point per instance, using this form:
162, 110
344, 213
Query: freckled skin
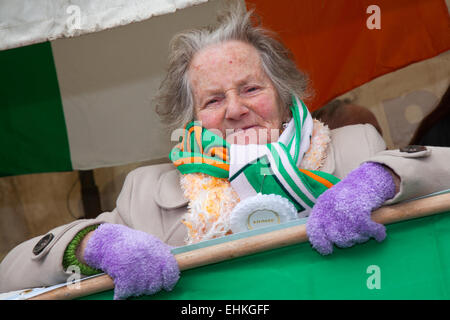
232, 93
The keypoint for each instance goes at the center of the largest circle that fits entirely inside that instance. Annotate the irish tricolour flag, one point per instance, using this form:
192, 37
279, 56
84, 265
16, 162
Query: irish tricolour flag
77, 78
85, 101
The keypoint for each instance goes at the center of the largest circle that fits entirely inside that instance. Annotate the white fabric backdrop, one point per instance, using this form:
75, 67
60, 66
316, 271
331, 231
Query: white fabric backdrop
107, 81
24, 22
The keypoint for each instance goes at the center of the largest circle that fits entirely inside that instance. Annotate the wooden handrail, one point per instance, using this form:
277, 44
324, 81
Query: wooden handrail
258, 243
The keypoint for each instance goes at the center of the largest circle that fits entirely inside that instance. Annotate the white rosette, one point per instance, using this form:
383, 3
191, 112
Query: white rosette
260, 211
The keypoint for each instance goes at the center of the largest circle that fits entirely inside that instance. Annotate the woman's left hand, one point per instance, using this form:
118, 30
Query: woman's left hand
342, 214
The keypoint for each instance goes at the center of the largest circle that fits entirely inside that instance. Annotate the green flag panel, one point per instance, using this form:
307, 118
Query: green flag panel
412, 263
33, 136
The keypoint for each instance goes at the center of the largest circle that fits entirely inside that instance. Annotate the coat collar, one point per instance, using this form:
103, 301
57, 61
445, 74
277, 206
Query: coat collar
329, 165
169, 194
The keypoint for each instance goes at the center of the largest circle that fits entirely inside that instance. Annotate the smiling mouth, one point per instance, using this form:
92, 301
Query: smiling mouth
245, 128
254, 134
245, 135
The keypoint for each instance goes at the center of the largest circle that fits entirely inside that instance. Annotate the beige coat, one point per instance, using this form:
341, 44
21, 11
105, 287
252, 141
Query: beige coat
152, 201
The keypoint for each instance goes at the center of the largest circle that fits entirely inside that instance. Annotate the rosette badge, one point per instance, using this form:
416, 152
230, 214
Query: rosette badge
260, 211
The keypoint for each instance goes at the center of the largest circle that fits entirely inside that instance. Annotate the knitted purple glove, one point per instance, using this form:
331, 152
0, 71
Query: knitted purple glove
138, 262
342, 214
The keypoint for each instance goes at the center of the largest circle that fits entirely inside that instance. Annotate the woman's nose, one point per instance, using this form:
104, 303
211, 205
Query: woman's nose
236, 108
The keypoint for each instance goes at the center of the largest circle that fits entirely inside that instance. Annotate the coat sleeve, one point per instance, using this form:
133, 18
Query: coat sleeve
421, 172
24, 267
351, 146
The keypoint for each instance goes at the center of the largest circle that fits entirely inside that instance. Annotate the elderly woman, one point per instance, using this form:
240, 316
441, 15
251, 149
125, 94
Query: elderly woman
242, 88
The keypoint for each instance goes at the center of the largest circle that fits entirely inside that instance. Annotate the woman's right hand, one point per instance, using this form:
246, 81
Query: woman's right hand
138, 262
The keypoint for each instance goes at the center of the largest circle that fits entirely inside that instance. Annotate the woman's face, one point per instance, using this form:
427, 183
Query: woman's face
233, 94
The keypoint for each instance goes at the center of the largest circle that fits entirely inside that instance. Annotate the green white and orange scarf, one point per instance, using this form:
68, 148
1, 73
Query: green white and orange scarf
272, 168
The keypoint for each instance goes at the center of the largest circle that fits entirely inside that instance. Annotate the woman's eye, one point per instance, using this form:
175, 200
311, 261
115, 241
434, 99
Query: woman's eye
251, 89
212, 101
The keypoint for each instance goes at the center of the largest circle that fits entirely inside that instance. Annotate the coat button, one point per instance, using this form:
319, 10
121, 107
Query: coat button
43, 243
413, 149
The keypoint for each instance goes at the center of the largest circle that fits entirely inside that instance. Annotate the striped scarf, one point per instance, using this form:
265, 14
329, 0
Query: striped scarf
257, 168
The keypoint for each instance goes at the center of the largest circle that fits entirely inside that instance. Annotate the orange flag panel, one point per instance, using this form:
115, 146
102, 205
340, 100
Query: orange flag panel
334, 46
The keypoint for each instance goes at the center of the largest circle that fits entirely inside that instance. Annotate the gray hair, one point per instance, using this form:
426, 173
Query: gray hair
174, 101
